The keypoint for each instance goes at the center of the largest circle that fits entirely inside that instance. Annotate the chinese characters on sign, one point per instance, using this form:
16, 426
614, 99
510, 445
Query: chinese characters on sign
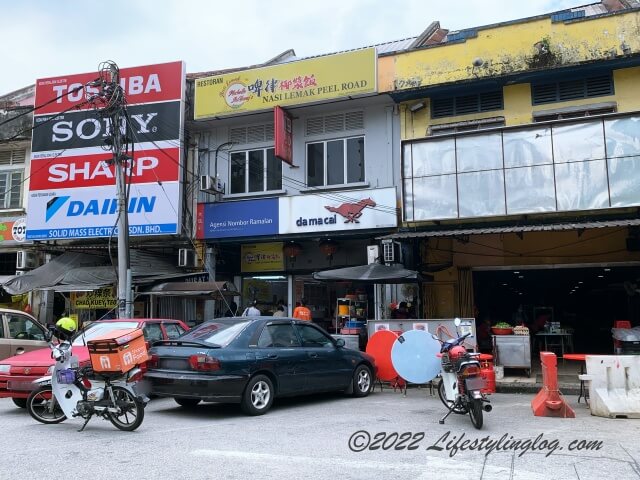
304, 81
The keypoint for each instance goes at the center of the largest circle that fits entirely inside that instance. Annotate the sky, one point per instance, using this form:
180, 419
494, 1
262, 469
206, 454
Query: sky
47, 38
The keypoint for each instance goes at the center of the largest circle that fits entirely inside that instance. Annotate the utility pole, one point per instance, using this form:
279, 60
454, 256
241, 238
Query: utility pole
110, 103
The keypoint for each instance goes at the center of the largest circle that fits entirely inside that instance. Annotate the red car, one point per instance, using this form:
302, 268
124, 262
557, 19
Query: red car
18, 372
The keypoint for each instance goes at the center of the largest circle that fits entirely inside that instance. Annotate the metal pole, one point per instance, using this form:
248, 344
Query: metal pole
123, 233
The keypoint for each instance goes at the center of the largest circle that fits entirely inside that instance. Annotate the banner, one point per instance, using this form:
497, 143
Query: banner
283, 135
262, 257
72, 191
306, 81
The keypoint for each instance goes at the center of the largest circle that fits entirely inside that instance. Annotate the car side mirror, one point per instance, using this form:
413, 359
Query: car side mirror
340, 343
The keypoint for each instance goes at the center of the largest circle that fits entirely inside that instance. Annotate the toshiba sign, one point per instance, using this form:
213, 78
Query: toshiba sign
72, 184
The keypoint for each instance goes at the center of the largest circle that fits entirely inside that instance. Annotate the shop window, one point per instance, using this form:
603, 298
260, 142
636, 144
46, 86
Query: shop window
11, 178
573, 89
335, 162
255, 171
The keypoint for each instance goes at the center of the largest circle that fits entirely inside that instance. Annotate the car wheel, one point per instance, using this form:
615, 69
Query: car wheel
258, 396
362, 381
20, 402
187, 402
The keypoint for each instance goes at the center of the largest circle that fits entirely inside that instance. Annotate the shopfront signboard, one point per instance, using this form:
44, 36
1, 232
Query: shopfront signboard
237, 219
261, 257
293, 83
102, 299
351, 210
13, 231
72, 192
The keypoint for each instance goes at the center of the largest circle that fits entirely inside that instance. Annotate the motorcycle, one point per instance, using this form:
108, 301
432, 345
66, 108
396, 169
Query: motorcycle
74, 391
461, 384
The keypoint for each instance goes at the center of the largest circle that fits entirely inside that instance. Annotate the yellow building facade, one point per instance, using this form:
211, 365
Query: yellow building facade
521, 147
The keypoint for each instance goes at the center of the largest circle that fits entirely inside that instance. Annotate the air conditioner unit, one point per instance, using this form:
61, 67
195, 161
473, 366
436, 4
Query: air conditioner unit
186, 257
373, 252
211, 184
26, 259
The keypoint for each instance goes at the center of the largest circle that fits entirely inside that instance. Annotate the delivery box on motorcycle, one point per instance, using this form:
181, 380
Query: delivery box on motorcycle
118, 351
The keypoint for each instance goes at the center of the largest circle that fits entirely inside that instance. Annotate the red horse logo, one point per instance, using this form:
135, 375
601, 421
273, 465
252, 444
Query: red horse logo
352, 211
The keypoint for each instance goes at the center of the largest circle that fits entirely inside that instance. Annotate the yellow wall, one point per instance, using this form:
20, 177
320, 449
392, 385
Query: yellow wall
508, 49
627, 89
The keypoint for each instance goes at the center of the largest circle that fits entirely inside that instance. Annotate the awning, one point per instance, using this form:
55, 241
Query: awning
75, 271
513, 229
208, 290
372, 273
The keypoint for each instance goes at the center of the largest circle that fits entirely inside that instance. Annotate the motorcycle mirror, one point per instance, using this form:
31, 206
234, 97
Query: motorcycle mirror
457, 322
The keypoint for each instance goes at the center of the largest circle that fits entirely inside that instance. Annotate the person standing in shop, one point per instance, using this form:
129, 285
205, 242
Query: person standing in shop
302, 312
252, 310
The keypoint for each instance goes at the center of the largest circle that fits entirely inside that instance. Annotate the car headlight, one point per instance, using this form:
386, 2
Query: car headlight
5, 368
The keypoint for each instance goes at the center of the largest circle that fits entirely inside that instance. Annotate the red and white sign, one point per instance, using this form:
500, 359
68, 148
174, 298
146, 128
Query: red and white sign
72, 183
150, 83
283, 133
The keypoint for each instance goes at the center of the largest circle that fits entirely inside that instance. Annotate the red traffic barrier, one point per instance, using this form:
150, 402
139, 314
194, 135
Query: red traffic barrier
549, 401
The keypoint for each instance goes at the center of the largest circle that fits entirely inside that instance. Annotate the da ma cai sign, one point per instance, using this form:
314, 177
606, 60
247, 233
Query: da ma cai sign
305, 81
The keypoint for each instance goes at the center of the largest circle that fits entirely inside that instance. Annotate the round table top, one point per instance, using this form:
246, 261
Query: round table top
575, 356
379, 347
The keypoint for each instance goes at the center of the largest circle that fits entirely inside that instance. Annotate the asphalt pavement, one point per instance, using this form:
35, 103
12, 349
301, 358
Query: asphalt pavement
386, 435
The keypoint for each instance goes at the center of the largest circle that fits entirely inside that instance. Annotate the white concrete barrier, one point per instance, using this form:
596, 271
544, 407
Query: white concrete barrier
614, 385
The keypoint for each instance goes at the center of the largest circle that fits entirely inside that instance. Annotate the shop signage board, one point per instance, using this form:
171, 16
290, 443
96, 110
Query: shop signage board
237, 219
72, 190
293, 83
13, 231
350, 211
103, 298
283, 135
262, 257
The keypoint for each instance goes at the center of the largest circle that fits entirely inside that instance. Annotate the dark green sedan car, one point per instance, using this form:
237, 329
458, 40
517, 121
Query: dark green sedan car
252, 360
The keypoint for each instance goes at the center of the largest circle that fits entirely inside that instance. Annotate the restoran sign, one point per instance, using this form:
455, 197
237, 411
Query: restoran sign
306, 81
72, 190
352, 210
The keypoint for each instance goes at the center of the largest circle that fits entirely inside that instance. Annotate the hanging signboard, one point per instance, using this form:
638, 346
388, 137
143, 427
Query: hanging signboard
283, 135
293, 83
72, 192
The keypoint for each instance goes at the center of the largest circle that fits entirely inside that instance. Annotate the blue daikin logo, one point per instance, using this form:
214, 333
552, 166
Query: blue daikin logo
54, 205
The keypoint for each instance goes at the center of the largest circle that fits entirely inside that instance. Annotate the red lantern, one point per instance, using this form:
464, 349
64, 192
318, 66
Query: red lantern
328, 247
292, 249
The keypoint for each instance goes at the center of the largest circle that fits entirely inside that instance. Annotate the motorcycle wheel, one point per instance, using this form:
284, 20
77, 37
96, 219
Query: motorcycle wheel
460, 410
475, 412
43, 407
131, 411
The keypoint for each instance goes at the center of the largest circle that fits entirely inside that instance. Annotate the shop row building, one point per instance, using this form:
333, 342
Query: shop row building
502, 162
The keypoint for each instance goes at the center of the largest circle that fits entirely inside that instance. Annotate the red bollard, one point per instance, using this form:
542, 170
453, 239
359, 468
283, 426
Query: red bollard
549, 401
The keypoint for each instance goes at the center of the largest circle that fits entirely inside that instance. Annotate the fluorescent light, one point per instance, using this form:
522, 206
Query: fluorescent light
270, 277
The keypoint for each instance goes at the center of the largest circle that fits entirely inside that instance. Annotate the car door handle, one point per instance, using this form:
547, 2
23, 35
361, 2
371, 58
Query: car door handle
313, 355
272, 355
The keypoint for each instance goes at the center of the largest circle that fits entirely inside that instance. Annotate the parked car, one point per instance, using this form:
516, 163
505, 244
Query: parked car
18, 372
19, 333
252, 360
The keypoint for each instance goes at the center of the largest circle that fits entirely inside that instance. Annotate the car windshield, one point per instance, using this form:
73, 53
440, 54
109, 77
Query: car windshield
100, 328
215, 333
